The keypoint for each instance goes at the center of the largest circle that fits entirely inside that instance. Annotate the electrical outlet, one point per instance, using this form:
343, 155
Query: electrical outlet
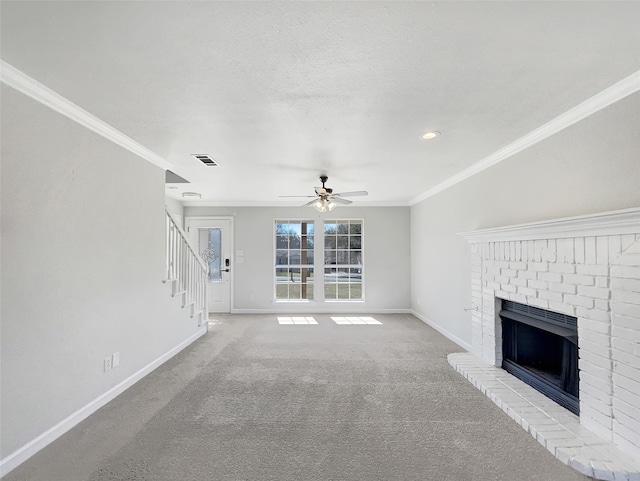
107, 363
115, 360
252, 297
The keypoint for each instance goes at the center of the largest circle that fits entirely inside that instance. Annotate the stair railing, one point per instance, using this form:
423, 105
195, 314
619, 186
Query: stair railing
186, 271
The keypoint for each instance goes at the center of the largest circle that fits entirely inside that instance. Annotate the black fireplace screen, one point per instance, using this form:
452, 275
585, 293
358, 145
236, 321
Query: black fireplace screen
540, 348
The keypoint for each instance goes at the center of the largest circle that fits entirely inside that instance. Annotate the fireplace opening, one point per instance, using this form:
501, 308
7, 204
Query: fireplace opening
541, 348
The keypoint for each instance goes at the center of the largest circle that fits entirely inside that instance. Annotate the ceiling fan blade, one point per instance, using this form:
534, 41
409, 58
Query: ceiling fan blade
341, 201
352, 194
309, 203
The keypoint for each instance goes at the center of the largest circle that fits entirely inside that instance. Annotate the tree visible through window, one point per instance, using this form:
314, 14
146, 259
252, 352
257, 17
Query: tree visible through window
343, 266
294, 260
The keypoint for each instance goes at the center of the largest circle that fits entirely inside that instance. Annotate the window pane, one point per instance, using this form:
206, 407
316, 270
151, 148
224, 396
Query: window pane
307, 242
330, 276
329, 257
343, 228
282, 275
294, 229
294, 275
282, 257
342, 257
342, 275
210, 249
330, 291
307, 291
330, 242
343, 291
355, 228
355, 242
343, 242
330, 229
294, 241
294, 257
306, 274
294, 291
282, 242
310, 228
355, 291
355, 257
355, 274
282, 291
306, 257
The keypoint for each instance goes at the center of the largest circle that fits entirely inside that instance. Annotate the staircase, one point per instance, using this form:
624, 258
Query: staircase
186, 271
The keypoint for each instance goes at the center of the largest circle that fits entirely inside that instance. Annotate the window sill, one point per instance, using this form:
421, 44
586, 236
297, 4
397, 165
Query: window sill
292, 301
344, 300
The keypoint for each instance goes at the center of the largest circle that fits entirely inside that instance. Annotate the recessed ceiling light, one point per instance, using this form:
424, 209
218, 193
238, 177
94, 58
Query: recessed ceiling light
432, 134
192, 194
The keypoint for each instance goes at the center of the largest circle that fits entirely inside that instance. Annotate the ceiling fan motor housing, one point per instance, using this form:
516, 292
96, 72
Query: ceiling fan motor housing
323, 179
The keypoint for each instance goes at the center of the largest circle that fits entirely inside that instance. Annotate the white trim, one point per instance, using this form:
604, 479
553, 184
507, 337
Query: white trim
452, 337
608, 96
21, 82
625, 221
333, 308
19, 456
209, 203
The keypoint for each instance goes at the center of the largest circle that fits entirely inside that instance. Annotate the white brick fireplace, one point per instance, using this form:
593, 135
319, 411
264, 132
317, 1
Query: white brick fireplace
587, 267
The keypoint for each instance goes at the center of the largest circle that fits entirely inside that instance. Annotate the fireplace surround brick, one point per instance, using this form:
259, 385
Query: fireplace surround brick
587, 267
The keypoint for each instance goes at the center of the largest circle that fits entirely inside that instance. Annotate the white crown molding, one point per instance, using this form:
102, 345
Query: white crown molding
206, 203
610, 95
21, 82
617, 222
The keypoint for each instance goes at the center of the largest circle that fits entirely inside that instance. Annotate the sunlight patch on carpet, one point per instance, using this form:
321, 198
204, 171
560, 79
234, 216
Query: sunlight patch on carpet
355, 320
296, 320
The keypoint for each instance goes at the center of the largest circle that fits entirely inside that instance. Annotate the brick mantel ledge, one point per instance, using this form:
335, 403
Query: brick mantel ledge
606, 223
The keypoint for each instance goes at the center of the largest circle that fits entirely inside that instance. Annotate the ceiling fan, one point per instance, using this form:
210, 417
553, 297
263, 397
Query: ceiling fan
325, 199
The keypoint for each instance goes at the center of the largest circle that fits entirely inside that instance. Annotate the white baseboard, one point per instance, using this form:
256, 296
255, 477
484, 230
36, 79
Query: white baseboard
464, 345
337, 308
32, 447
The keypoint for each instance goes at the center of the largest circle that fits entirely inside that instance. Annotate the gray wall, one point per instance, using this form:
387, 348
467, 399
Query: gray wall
82, 264
593, 166
386, 256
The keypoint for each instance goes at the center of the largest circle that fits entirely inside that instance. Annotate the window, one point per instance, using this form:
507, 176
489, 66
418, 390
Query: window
210, 246
343, 267
294, 260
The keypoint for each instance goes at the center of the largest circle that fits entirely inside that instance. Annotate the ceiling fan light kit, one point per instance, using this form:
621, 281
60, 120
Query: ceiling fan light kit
324, 205
325, 200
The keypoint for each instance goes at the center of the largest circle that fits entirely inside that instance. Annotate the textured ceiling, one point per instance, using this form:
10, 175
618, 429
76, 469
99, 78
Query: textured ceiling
279, 93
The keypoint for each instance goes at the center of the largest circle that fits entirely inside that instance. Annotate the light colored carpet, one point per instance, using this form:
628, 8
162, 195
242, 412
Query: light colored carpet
255, 400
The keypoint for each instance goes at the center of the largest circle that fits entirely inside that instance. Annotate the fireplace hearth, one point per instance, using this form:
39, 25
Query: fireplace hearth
585, 268
540, 348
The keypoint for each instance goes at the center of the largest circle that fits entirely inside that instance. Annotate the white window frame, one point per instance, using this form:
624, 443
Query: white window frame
360, 266
311, 264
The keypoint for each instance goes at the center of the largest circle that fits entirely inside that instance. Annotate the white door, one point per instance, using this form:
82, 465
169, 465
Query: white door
213, 239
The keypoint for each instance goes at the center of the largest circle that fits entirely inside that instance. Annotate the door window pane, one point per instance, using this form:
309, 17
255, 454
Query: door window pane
210, 249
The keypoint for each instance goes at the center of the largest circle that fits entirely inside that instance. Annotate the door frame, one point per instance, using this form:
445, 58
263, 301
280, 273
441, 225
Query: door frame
231, 273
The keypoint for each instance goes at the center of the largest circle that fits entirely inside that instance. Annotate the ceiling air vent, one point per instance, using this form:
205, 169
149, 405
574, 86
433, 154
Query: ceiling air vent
206, 160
